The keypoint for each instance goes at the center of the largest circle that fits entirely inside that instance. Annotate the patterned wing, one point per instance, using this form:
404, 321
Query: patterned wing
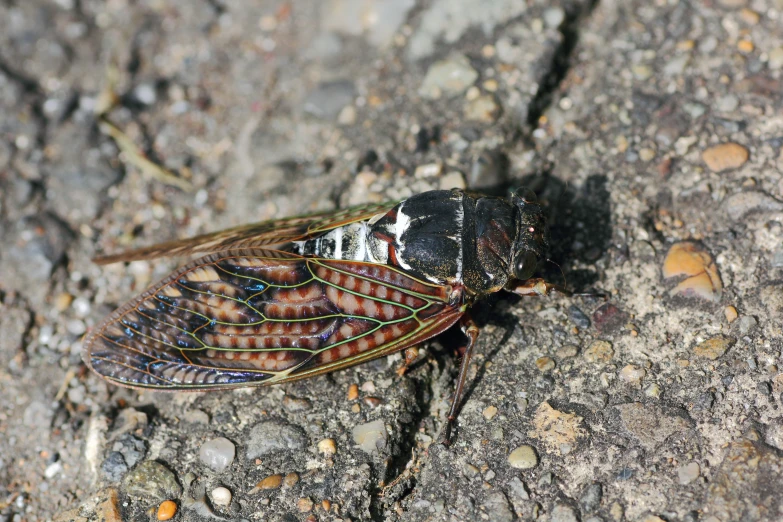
265, 234
256, 318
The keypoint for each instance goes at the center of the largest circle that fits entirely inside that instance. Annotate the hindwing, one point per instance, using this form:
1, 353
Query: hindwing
266, 234
256, 317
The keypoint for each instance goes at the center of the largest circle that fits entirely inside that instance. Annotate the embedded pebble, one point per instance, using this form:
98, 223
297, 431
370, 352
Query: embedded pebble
196, 417
569, 350
775, 60
632, 374
496, 506
609, 319
578, 317
221, 496
304, 505
270, 482
741, 204
713, 348
291, 479
563, 513
271, 436
152, 480
451, 76
545, 364
327, 447
747, 323
217, 454
688, 473
524, 457
296, 404
490, 412
370, 437
353, 392
599, 351
691, 260
167, 509
653, 391
730, 313
591, 497
484, 109
725, 156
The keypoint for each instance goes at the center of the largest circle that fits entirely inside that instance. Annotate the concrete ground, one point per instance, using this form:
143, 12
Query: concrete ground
653, 131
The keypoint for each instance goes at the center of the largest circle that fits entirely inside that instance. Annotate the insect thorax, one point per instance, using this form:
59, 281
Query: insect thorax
441, 236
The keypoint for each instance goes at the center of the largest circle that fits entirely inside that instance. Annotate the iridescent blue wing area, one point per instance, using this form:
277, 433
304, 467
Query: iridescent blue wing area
256, 317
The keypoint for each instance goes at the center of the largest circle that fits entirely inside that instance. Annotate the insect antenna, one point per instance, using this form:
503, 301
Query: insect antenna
565, 283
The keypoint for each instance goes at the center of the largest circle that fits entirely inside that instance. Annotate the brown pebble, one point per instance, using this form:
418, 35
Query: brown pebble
599, 351
304, 505
326, 504
353, 392
291, 479
270, 482
713, 348
745, 46
731, 314
725, 156
167, 510
373, 402
327, 447
690, 259
545, 364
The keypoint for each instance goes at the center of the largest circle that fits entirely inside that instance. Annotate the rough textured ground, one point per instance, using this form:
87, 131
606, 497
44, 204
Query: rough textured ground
658, 404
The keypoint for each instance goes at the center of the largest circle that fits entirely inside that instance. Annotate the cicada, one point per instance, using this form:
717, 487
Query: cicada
297, 297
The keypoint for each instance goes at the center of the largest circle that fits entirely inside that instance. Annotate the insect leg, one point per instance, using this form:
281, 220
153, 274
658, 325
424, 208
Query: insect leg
537, 287
471, 331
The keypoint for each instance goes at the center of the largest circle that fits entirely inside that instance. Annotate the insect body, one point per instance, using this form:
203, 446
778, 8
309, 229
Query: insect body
292, 298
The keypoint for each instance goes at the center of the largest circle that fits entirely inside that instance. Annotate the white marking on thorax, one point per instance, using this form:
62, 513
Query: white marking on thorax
400, 226
458, 239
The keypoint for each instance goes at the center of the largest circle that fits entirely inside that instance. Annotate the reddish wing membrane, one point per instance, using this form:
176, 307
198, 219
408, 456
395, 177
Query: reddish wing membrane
258, 235
258, 317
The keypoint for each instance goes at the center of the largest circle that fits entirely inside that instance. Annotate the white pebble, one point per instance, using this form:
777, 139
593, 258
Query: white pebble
217, 453
221, 496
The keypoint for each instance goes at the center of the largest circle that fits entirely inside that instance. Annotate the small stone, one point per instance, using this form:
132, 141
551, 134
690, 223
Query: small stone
217, 454
304, 505
775, 61
524, 457
327, 447
451, 180
688, 473
653, 391
353, 392
713, 348
609, 319
691, 260
545, 364
727, 103
591, 497
490, 412
152, 480
742, 204
558, 430
114, 467
62, 301
652, 518
646, 154
745, 46
270, 482
632, 374
484, 109
566, 351
221, 496
599, 351
291, 479
271, 436
517, 490
496, 506
747, 323
167, 509
578, 317
296, 404
730, 313
347, 115
370, 437
563, 513
451, 76
196, 417
428, 170
725, 156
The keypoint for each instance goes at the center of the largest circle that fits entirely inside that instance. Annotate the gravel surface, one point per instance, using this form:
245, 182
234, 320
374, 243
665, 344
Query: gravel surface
653, 132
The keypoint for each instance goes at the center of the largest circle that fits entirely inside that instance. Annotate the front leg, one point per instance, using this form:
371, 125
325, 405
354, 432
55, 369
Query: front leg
537, 287
471, 331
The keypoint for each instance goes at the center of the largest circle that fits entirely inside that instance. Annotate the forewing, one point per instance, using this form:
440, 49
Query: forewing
251, 318
257, 235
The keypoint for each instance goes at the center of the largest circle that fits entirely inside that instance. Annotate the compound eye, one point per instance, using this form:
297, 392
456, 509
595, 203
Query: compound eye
525, 266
